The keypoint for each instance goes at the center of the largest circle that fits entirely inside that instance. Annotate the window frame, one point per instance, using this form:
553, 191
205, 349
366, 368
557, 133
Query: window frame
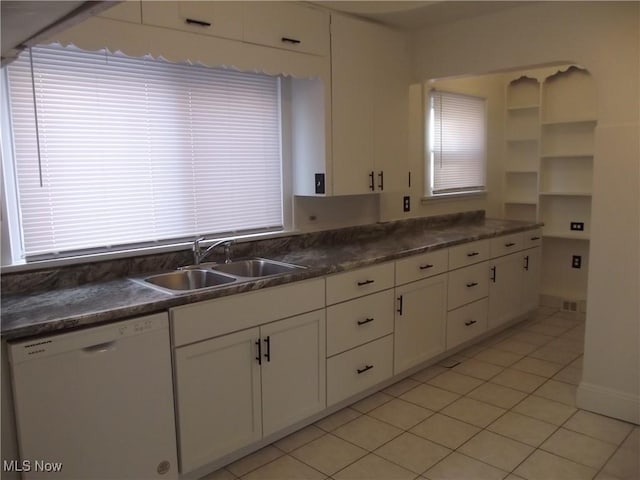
12, 252
428, 193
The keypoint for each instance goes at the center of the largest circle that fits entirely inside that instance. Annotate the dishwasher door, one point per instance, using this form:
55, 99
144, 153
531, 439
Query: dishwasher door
96, 403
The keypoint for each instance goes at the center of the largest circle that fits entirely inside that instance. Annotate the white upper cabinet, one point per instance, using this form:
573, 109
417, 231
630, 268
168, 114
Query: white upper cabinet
128, 11
217, 19
369, 101
287, 25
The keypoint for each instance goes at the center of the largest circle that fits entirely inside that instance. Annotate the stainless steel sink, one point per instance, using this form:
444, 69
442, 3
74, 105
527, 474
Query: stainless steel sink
255, 268
185, 280
210, 275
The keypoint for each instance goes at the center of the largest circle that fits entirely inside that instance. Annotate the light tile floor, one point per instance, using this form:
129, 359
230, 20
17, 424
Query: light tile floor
506, 411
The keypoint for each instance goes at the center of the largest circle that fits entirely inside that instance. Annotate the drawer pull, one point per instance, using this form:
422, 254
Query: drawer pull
472, 284
535, 238
259, 357
200, 23
472, 254
424, 267
295, 41
510, 244
526, 262
366, 282
366, 320
470, 322
493, 274
362, 370
400, 305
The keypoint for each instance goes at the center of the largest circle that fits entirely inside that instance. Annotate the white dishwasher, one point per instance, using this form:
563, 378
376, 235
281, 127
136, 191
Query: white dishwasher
96, 403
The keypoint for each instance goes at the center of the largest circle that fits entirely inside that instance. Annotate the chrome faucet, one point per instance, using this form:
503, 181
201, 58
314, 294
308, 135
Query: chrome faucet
199, 255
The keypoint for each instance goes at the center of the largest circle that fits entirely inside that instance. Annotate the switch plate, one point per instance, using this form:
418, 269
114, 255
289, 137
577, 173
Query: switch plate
577, 226
406, 203
576, 261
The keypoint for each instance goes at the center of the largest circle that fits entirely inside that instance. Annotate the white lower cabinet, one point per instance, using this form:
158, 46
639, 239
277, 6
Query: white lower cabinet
293, 370
233, 390
218, 397
505, 289
419, 332
359, 321
532, 259
356, 370
466, 323
467, 285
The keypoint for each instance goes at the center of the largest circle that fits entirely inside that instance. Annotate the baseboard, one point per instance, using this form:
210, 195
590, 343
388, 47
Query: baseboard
609, 402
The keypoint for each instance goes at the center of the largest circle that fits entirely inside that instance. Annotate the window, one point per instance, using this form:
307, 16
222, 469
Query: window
112, 151
456, 144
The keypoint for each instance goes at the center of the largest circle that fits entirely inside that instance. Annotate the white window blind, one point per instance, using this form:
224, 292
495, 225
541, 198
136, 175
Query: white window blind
112, 151
457, 143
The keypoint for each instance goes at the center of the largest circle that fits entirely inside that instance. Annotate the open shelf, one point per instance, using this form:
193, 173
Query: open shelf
565, 235
526, 212
570, 93
566, 194
516, 171
585, 155
567, 139
524, 107
566, 121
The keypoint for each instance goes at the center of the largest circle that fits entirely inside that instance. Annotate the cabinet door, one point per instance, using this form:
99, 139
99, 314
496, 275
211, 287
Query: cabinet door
287, 25
218, 397
420, 322
505, 289
391, 111
531, 279
293, 370
352, 93
217, 19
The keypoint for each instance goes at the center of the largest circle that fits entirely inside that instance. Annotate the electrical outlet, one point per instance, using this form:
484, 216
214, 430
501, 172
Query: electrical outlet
406, 203
578, 226
576, 261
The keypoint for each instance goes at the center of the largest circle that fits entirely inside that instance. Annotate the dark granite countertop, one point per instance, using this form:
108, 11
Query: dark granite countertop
51, 311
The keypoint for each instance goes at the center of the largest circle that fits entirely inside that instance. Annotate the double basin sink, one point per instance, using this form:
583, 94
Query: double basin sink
209, 275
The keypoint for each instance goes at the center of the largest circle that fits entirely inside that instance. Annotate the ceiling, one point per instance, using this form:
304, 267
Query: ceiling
26, 22
413, 15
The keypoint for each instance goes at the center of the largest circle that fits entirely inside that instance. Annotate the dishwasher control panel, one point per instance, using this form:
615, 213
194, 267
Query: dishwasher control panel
89, 339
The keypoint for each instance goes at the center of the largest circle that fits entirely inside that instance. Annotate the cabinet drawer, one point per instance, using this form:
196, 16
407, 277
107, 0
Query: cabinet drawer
359, 321
468, 254
468, 284
466, 322
217, 19
532, 238
202, 320
358, 369
348, 285
287, 25
421, 266
506, 244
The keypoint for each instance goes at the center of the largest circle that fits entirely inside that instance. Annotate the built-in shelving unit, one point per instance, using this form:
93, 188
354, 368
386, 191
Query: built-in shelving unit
522, 131
550, 119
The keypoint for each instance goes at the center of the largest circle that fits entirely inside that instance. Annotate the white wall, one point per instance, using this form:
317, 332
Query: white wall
490, 87
604, 37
